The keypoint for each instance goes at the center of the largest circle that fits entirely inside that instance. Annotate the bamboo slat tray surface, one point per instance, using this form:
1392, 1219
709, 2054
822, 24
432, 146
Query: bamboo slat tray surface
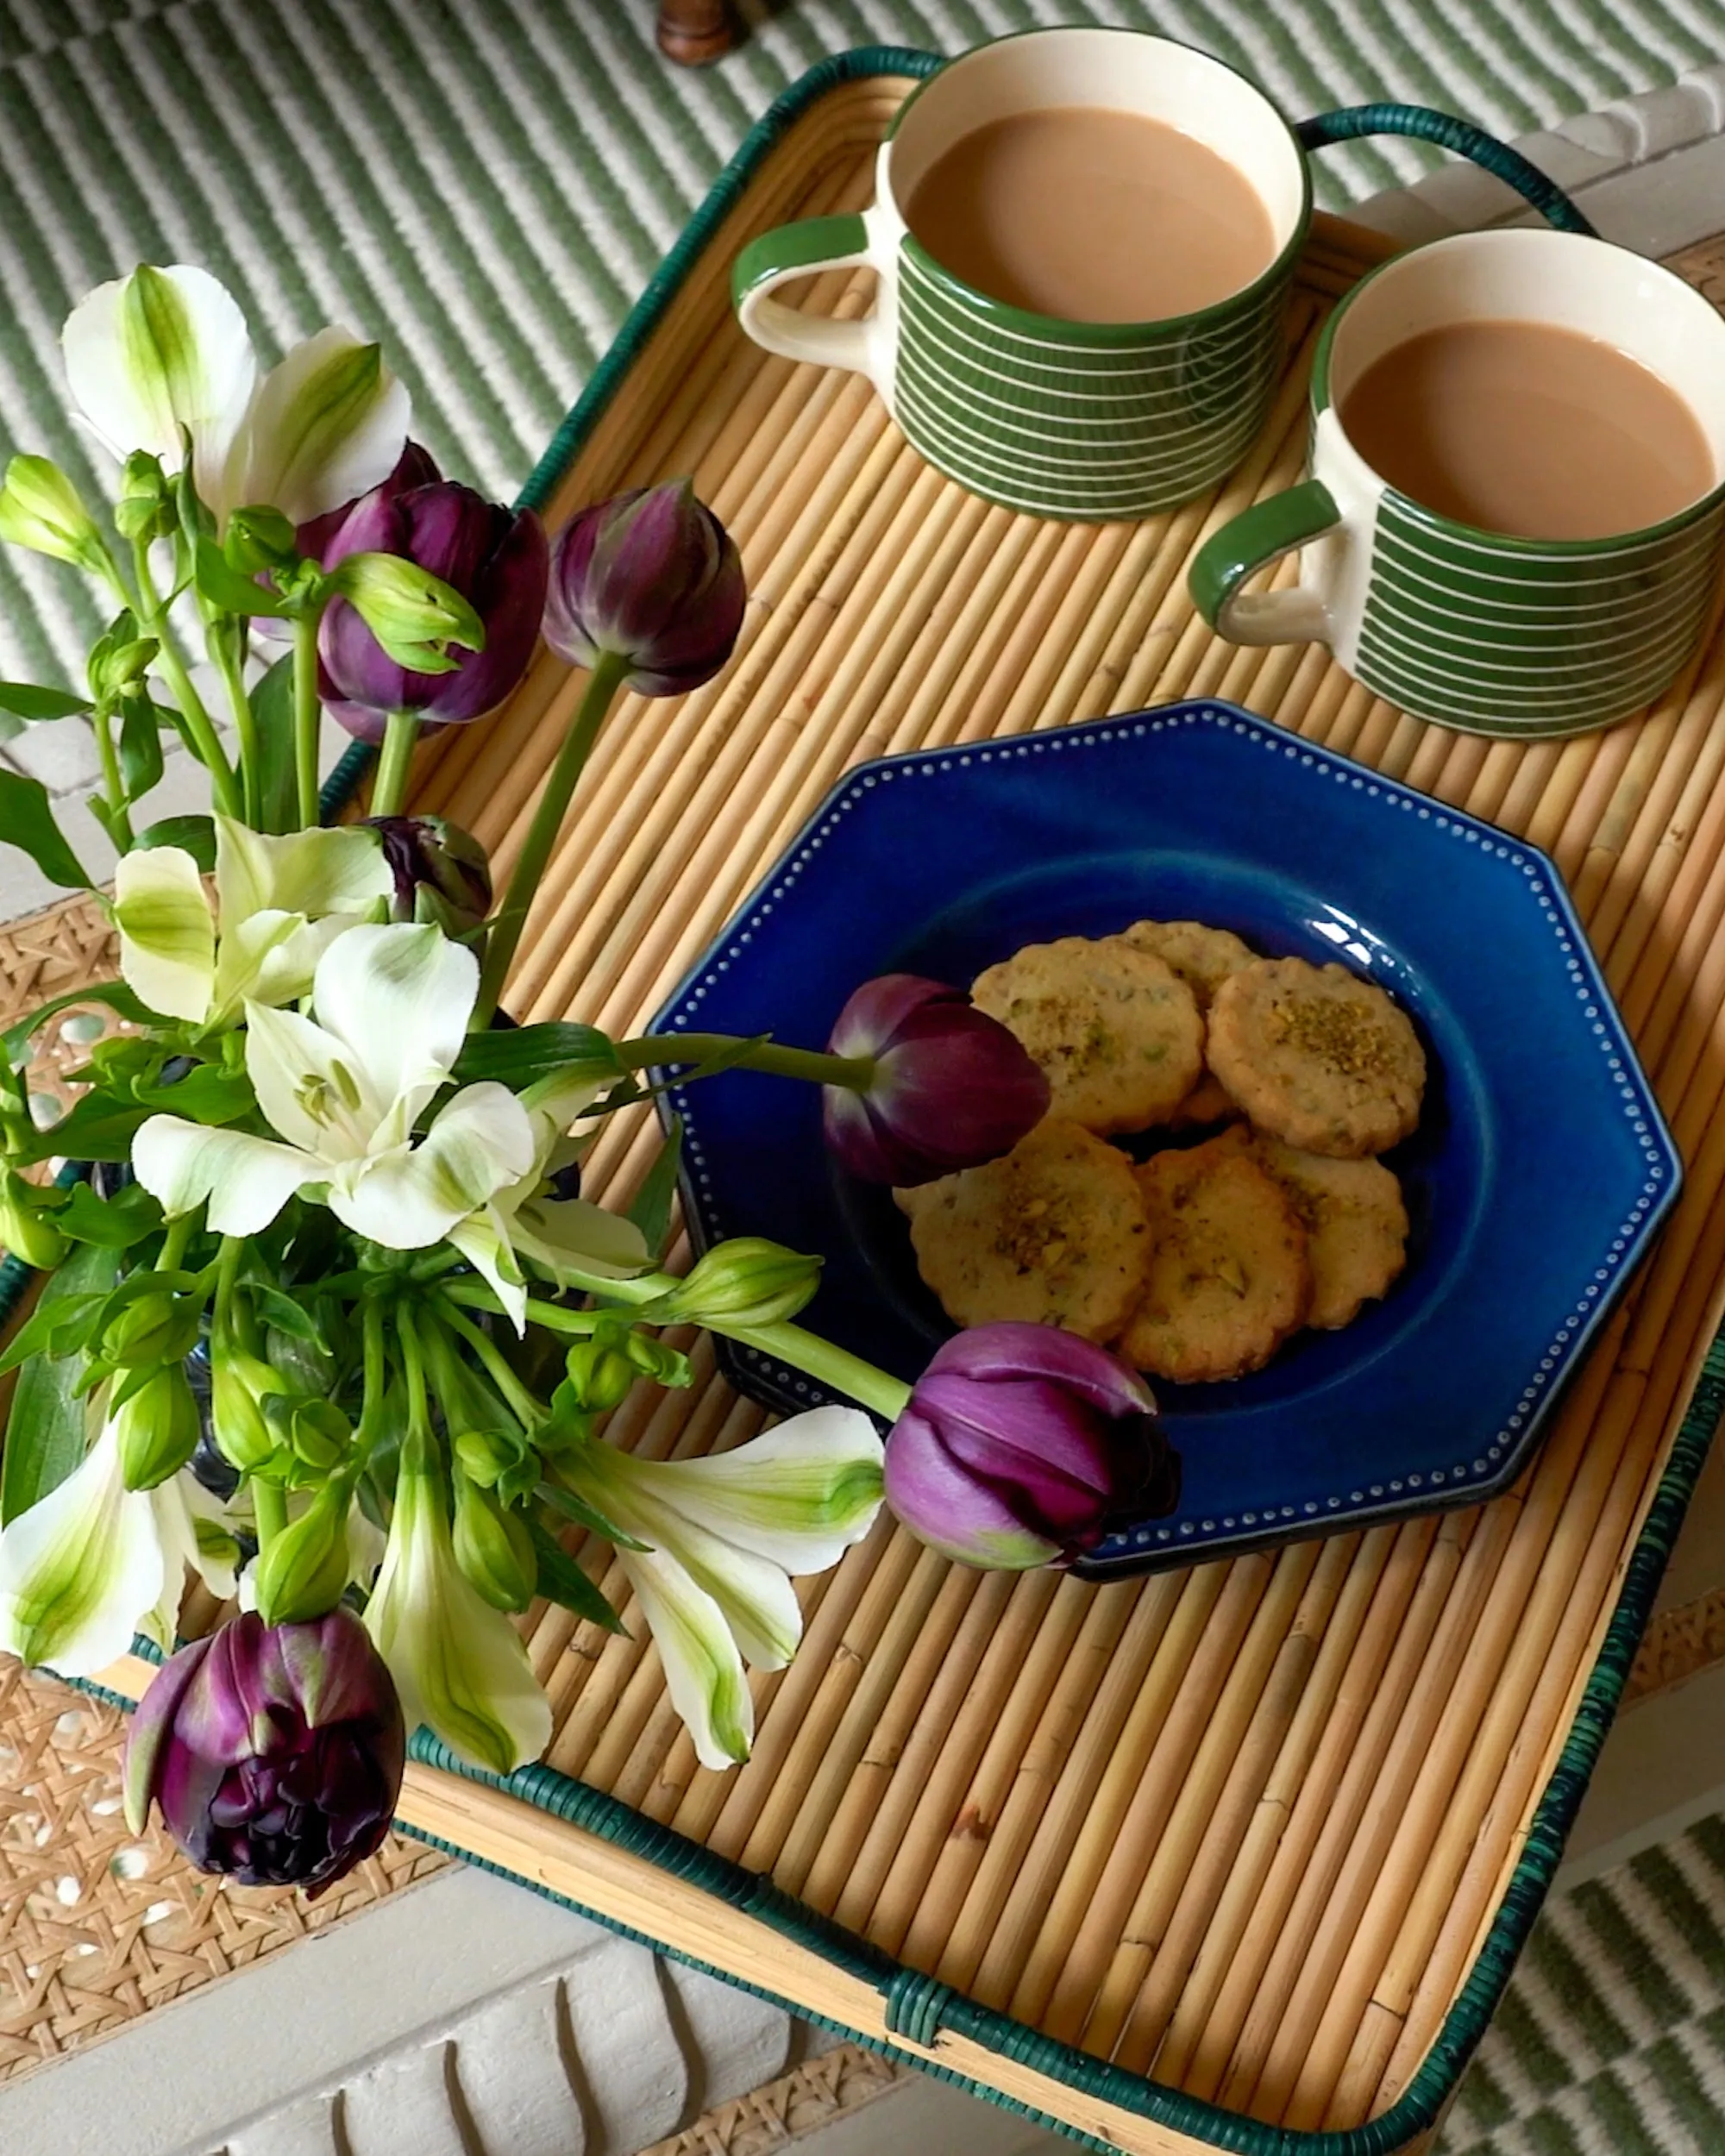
1238, 1857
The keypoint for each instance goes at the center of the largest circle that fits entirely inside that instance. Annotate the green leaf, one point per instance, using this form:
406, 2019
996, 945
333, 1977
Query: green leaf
207, 1095
562, 1580
518, 1055
272, 713
116, 1223
141, 749
283, 1312
115, 994
56, 1327
651, 1211
224, 586
27, 821
45, 1432
24, 699
195, 834
97, 1127
589, 1516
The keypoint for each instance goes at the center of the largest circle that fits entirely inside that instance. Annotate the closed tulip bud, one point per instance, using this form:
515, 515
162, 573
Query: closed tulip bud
650, 576
25, 1229
415, 467
274, 1752
494, 1548
157, 1429
949, 1087
303, 1571
40, 508
1019, 1442
379, 642
441, 873
738, 1285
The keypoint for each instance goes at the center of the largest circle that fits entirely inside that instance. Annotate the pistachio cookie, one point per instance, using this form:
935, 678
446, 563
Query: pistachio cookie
1203, 957
1317, 1056
1116, 1031
1229, 1279
1355, 1222
1054, 1233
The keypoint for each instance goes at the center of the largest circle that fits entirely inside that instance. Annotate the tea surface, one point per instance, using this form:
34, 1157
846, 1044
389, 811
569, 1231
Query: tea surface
1092, 215
1528, 428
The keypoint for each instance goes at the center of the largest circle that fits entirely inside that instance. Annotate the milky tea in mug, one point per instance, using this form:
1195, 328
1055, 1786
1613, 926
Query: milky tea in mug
1082, 241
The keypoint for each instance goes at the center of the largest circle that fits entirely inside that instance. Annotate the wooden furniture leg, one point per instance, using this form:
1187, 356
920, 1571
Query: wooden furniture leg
693, 32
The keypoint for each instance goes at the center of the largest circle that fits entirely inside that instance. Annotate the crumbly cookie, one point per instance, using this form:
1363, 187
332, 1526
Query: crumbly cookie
1116, 1031
1209, 1101
1317, 1056
1202, 956
1054, 1233
1229, 1279
1356, 1226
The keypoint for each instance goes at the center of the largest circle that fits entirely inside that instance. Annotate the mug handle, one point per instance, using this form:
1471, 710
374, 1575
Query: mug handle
1250, 541
801, 250
1426, 124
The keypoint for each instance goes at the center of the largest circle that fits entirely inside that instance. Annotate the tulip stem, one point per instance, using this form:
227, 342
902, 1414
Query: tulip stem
835, 1366
199, 727
389, 788
610, 671
307, 709
733, 1053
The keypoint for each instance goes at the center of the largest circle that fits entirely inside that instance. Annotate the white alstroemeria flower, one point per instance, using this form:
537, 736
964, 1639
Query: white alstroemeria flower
280, 903
557, 1235
724, 1533
458, 1664
164, 350
93, 1563
343, 1093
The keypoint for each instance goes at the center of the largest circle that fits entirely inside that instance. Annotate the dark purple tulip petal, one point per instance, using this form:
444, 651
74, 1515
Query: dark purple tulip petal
496, 558
952, 1087
415, 467
1019, 1444
441, 873
650, 576
274, 1752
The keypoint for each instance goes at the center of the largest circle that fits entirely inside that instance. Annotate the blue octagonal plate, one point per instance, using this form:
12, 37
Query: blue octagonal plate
1538, 1176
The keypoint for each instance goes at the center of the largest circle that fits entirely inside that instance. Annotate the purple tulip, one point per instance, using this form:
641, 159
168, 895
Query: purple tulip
1019, 1442
496, 558
951, 1089
415, 467
653, 576
275, 1752
441, 873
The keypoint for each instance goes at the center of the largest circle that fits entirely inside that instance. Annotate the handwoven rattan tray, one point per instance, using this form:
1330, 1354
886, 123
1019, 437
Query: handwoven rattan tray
1269, 1831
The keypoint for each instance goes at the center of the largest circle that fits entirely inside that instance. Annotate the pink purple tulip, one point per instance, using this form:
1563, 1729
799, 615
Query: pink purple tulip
952, 1087
1020, 1443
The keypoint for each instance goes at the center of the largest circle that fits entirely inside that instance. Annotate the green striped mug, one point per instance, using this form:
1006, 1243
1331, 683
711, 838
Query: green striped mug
1517, 637
1089, 420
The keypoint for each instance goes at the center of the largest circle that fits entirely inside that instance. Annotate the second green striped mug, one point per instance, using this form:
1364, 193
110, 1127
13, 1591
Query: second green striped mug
1492, 633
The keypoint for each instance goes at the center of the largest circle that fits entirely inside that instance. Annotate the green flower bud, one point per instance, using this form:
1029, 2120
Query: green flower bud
601, 1371
157, 1429
25, 1229
414, 615
738, 1285
494, 1548
257, 538
302, 1571
155, 1327
144, 509
119, 662
659, 1360
485, 1457
40, 508
239, 1385
319, 1434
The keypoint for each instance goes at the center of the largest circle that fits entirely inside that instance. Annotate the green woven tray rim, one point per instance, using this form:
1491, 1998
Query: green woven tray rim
598, 1813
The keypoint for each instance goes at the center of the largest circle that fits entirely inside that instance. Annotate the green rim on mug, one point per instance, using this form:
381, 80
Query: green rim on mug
1486, 631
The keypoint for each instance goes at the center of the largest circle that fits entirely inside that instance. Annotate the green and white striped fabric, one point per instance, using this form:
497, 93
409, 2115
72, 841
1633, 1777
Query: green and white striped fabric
1611, 2041
488, 187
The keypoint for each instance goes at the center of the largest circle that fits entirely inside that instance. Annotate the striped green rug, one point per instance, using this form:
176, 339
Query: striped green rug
486, 187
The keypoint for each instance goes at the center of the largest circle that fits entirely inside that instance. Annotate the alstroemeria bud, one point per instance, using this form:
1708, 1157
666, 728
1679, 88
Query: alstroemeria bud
303, 1571
239, 1385
494, 558
274, 1752
494, 1548
40, 508
145, 508
25, 1229
1019, 1442
157, 1429
601, 1373
739, 1284
952, 1087
441, 873
653, 576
